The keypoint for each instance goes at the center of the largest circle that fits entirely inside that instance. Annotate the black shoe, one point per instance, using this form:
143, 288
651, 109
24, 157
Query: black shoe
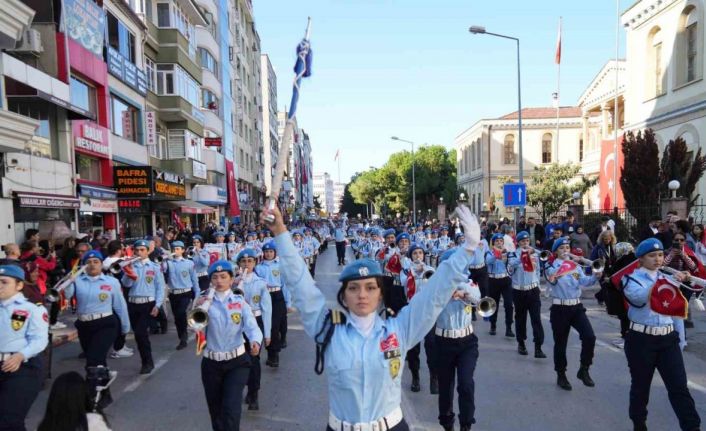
82, 355
146, 368
272, 362
465, 428
163, 330
538, 353
253, 404
154, 331
639, 426
521, 349
585, 377
448, 427
562, 381
433, 385
688, 324
283, 344
492, 330
509, 333
415, 384
182, 345
246, 400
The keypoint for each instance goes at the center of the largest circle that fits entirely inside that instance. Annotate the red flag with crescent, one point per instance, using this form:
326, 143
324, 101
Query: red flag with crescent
200, 341
527, 261
411, 285
393, 265
666, 299
700, 271
381, 253
566, 267
616, 278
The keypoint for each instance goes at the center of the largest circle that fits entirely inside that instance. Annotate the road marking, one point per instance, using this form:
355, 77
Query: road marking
140, 379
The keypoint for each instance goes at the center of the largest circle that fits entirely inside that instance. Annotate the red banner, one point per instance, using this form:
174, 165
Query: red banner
232, 187
607, 183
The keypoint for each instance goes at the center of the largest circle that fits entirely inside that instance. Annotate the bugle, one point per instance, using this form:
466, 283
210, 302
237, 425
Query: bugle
190, 253
117, 266
197, 318
162, 257
597, 265
54, 294
696, 280
486, 306
543, 254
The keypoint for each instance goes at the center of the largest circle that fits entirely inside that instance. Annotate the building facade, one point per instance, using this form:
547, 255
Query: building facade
338, 189
270, 135
323, 190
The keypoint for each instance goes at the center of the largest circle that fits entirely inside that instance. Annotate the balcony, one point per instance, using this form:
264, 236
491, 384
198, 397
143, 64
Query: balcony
16, 17
172, 47
215, 161
178, 112
15, 131
28, 173
193, 170
212, 122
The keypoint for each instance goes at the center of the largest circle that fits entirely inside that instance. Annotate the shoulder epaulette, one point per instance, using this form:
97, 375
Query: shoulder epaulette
337, 317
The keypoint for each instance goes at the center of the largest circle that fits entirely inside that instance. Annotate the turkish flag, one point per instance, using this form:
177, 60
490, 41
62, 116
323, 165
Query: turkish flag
232, 188
393, 264
666, 299
527, 261
390, 343
607, 182
411, 285
566, 267
616, 278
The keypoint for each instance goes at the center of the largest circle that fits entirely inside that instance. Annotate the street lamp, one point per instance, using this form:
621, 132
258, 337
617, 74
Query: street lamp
414, 185
477, 29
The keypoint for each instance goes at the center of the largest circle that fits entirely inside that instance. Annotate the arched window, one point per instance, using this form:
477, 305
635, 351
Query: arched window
657, 81
509, 150
547, 148
689, 46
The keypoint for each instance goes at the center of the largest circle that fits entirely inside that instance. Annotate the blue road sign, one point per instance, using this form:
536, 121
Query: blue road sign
515, 194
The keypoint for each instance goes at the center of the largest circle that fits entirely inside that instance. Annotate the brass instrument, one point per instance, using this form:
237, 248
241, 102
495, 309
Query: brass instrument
486, 307
162, 257
190, 252
117, 266
197, 318
597, 265
54, 294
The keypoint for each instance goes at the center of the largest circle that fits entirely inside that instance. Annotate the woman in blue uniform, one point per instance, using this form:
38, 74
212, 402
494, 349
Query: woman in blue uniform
362, 353
201, 260
226, 364
24, 333
183, 287
269, 271
499, 283
652, 341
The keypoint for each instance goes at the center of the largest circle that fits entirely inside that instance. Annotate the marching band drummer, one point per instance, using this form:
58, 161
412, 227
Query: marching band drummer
652, 341
258, 297
362, 352
24, 334
226, 365
525, 296
99, 299
566, 312
269, 270
183, 287
201, 260
499, 283
145, 282
457, 351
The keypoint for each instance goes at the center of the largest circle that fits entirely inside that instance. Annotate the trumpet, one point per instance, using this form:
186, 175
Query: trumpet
197, 318
543, 254
486, 306
696, 280
428, 273
239, 288
117, 266
54, 294
597, 265
190, 252
162, 257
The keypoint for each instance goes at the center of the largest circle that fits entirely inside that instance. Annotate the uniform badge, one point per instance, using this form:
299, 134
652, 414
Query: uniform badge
45, 317
106, 287
575, 275
19, 317
468, 309
275, 272
149, 276
256, 299
235, 317
103, 296
395, 366
185, 274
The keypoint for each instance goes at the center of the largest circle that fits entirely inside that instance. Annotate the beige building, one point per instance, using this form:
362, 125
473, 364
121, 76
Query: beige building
665, 59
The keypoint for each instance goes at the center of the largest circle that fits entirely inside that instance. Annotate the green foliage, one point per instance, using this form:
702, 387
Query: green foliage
553, 186
348, 204
678, 164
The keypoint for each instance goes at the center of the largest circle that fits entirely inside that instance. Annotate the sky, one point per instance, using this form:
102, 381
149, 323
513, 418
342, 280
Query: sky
410, 68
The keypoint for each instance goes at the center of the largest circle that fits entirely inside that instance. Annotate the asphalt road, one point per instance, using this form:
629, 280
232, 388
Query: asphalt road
512, 392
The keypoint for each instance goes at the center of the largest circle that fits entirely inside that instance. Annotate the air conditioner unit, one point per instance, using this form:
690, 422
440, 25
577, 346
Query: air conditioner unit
31, 42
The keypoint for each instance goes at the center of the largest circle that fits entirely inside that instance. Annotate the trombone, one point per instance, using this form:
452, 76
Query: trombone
54, 294
117, 266
197, 318
597, 265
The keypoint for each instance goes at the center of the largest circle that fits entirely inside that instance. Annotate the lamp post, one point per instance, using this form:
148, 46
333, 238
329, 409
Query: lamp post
477, 29
414, 185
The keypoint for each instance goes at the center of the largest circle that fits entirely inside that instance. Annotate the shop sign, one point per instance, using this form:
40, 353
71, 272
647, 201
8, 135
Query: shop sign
97, 192
168, 185
35, 200
121, 68
199, 169
133, 181
85, 21
151, 127
98, 205
213, 142
90, 138
133, 206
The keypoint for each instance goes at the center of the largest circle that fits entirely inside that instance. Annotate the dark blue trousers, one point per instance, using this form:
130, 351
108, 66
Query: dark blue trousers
527, 301
647, 353
140, 320
279, 312
563, 318
255, 367
223, 383
456, 358
179, 304
96, 338
498, 287
18, 391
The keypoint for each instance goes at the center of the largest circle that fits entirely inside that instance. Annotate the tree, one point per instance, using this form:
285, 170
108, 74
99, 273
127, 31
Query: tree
678, 163
639, 176
348, 204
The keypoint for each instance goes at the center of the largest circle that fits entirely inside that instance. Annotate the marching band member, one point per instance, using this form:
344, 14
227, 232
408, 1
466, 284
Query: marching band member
252, 243
99, 298
226, 364
413, 279
388, 248
269, 270
358, 242
310, 247
24, 334
499, 283
183, 287
566, 312
258, 297
145, 282
375, 243
339, 235
356, 365
457, 352
443, 242
525, 296
419, 235
652, 341
429, 247
201, 260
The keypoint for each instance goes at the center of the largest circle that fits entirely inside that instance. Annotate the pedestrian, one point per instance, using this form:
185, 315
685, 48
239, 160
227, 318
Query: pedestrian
70, 407
339, 236
567, 278
183, 287
499, 283
580, 240
678, 256
369, 348
652, 342
12, 254
145, 282
602, 227
24, 334
225, 365
605, 251
269, 270
697, 231
535, 231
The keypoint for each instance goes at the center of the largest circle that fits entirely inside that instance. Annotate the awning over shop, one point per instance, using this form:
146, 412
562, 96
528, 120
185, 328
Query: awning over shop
186, 207
41, 200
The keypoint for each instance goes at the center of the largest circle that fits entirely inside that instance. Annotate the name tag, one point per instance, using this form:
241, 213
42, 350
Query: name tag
392, 354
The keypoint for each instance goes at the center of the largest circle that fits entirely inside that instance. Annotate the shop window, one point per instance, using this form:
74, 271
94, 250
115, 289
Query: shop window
82, 94
88, 168
123, 120
120, 38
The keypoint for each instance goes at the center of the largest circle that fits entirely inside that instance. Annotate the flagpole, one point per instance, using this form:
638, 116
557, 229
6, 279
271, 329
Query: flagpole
615, 109
558, 98
339, 168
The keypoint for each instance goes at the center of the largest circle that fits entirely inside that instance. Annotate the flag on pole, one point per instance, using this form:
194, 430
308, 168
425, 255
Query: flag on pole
337, 152
302, 69
557, 56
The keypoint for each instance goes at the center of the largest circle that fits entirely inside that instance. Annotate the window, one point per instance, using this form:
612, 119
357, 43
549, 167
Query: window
241, 158
657, 76
509, 150
151, 72
581, 148
473, 156
120, 38
88, 168
123, 121
659, 89
82, 94
547, 148
691, 51
162, 14
208, 62
209, 100
171, 15
172, 80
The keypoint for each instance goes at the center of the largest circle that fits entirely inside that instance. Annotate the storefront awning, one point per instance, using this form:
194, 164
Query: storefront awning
192, 207
41, 200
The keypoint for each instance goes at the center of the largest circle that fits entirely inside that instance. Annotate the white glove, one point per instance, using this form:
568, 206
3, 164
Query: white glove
470, 226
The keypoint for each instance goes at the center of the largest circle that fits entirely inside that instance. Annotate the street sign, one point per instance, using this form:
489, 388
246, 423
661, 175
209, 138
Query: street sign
515, 195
